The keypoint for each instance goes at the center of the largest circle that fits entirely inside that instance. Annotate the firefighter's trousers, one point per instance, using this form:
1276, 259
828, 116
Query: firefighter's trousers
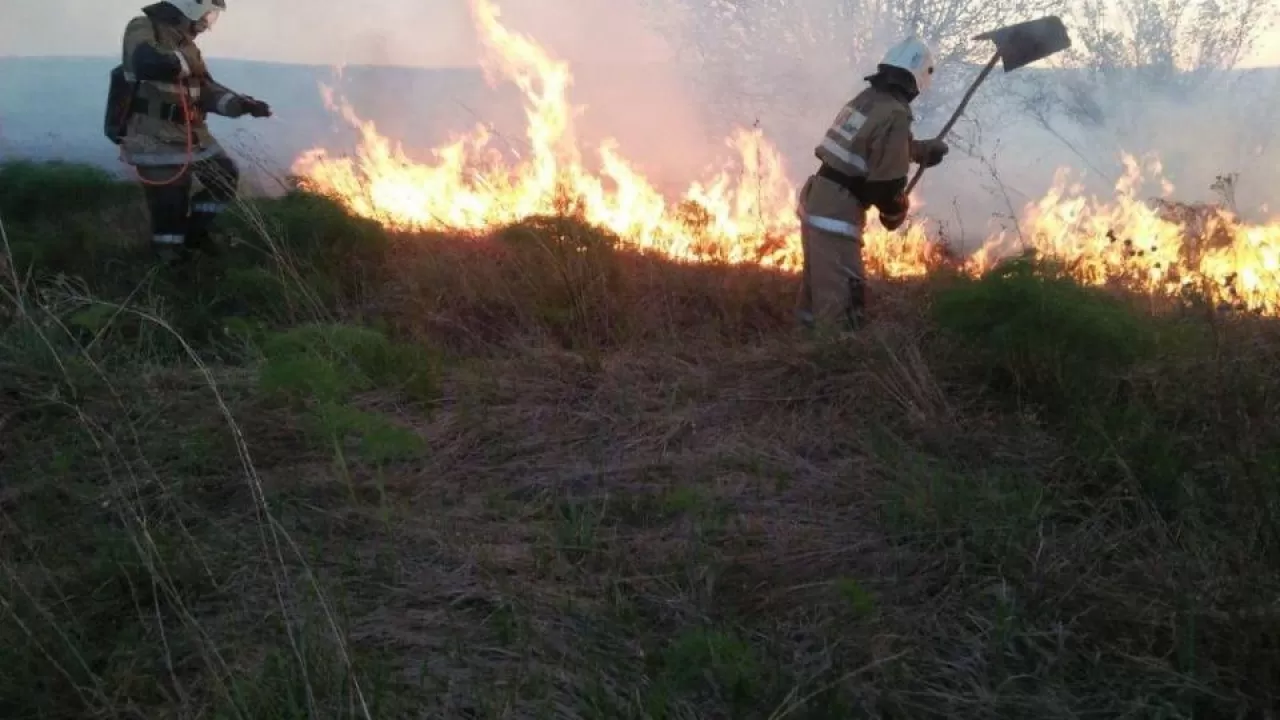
180, 219
832, 287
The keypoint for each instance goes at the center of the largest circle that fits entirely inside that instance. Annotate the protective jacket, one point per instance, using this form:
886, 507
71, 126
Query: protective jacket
172, 80
866, 155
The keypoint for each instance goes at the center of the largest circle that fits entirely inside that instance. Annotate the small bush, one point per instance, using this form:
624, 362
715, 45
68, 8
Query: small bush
31, 191
326, 365
1049, 338
311, 224
719, 664
561, 235
374, 437
67, 217
337, 253
331, 362
572, 273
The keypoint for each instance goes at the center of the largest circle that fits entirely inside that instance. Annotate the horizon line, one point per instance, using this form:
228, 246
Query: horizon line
476, 67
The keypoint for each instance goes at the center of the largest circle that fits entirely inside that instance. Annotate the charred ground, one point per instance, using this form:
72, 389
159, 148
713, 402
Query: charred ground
341, 473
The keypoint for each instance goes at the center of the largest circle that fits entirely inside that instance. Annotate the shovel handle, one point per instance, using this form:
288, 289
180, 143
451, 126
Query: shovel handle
964, 102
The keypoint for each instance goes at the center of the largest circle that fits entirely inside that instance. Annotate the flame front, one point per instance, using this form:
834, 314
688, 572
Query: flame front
746, 212
1158, 246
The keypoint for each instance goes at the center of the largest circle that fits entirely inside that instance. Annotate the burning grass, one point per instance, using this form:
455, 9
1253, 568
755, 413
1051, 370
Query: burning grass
745, 212
343, 471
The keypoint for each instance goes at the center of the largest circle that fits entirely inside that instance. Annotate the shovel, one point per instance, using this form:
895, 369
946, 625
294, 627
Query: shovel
1018, 45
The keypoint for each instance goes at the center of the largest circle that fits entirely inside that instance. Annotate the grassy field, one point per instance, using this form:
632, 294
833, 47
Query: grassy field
341, 473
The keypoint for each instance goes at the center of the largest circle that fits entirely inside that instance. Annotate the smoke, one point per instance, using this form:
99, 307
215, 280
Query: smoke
626, 85
790, 64
669, 80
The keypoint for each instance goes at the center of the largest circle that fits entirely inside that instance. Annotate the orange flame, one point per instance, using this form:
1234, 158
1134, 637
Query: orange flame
745, 213
1158, 246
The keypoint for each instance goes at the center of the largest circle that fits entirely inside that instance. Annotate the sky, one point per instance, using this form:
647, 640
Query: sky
1269, 52
329, 32
599, 39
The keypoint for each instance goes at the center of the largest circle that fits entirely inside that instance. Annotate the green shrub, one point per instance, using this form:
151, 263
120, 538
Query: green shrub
336, 253
562, 235
713, 663
311, 224
572, 277
331, 362
326, 365
1043, 334
372, 436
31, 191
67, 218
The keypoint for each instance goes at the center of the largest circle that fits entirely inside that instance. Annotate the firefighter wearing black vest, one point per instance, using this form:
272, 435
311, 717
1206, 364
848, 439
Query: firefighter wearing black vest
160, 97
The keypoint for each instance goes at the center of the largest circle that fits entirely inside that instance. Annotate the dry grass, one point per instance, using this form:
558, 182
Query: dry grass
585, 484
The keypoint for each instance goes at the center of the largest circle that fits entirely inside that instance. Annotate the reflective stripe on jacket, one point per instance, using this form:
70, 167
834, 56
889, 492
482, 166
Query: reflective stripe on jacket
870, 138
827, 206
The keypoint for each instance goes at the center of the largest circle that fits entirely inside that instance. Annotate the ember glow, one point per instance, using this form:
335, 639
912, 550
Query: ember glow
746, 212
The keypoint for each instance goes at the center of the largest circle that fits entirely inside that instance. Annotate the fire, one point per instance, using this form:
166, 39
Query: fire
746, 212
1157, 246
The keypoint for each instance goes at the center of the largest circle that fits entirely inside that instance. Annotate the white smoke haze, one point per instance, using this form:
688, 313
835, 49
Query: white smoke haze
669, 80
625, 83
1135, 81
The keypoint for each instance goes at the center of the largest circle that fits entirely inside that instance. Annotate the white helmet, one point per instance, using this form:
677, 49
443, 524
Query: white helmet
200, 11
915, 57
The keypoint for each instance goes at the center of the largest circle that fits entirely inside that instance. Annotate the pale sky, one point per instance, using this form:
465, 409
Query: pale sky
1268, 50
330, 32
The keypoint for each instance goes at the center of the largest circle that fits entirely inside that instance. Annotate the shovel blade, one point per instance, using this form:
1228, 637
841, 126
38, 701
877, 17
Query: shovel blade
1026, 42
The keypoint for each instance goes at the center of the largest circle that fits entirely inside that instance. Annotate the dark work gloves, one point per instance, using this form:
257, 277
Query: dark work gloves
255, 107
931, 152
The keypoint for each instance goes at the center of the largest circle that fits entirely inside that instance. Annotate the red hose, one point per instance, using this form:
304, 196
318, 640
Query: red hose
186, 119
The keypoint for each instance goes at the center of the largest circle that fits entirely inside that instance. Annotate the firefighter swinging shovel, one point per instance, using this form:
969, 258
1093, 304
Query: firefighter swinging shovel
1017, 45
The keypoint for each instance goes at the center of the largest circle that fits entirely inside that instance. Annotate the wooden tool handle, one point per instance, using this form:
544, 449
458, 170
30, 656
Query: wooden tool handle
964, 102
